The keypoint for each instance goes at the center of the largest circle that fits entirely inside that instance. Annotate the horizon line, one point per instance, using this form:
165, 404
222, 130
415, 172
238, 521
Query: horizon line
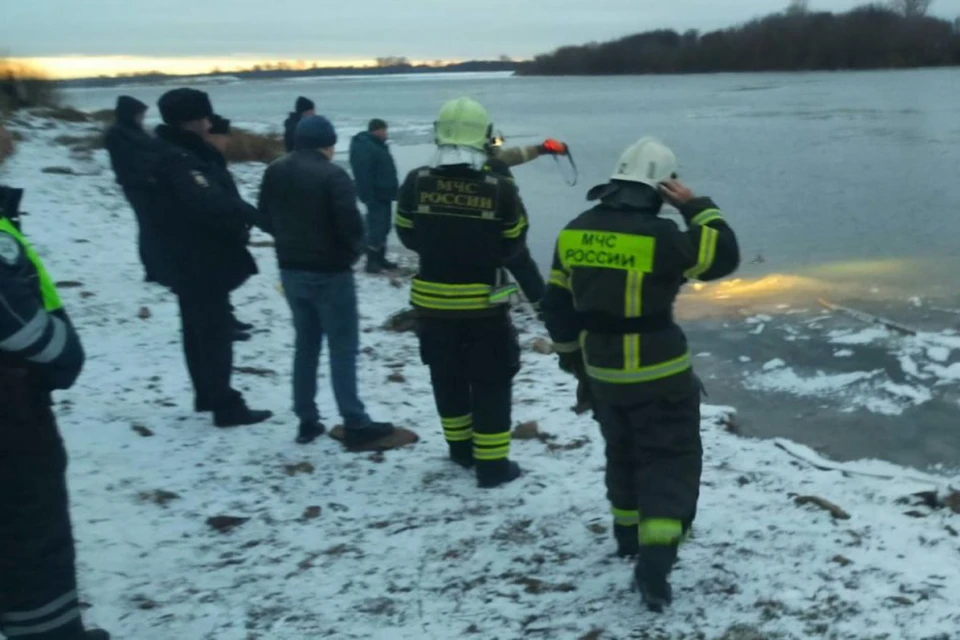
82, 66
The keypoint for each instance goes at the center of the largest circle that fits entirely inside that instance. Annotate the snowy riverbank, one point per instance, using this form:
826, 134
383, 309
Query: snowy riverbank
328, 544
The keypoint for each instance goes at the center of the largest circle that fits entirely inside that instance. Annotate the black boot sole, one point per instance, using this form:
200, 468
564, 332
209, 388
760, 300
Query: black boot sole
230, 424
512, 474
310, 436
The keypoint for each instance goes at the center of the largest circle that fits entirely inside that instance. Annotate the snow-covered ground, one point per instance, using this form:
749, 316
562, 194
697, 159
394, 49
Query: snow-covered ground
328, 544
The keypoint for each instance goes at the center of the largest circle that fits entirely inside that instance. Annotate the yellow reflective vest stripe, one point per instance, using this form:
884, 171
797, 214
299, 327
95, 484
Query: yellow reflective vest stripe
636, 374
51, 299
707, 252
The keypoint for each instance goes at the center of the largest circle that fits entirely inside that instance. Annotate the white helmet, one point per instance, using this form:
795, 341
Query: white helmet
648, 161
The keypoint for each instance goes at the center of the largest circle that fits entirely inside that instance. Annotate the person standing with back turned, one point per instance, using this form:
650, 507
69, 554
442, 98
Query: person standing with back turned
309, 205
132, 151
303, 108
40, 352
466, 223
375, 174
616, 274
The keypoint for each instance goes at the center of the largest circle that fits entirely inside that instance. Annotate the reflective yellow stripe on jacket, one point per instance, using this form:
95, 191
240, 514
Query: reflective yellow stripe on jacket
450, 297
707, 253
51, 300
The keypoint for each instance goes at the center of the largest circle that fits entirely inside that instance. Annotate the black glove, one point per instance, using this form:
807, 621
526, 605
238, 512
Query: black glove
573, 363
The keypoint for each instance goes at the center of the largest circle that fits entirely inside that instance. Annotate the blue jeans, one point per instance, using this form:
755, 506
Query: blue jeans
325, 304
379, 221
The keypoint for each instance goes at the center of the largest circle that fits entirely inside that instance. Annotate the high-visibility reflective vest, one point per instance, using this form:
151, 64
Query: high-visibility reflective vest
48, 290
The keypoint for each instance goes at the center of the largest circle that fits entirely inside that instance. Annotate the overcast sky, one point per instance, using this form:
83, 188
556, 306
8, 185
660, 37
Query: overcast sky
352, 29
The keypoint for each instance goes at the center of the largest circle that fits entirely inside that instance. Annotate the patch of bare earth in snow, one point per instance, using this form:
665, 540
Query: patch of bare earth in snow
185, 531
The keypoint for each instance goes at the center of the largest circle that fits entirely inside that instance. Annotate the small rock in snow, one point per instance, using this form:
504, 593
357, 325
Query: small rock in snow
842, 561
143, 431
144, 313
826, 505
225, 524
311, 513
776, 363
542, 346
396, 376
527, 431
300, 467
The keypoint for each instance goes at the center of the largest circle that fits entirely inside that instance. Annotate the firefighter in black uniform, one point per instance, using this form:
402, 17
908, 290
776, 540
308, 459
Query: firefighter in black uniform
616, 273
466, 223
39, 353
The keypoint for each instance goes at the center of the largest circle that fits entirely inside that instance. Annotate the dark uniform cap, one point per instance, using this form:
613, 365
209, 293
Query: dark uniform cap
184, 105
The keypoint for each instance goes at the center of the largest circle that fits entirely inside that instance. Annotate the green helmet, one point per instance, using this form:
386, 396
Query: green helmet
463, 122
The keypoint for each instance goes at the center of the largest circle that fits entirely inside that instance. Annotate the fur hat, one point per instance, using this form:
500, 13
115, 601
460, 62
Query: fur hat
184, 105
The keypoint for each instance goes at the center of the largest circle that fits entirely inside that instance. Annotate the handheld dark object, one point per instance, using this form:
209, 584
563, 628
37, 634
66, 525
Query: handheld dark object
10, 199
573, 165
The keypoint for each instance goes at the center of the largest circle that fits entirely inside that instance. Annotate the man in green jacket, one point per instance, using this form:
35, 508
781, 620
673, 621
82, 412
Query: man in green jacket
375, 175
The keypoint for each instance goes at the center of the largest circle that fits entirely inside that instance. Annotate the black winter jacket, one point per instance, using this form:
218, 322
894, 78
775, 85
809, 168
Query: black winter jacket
373, 168
201, 222
132, 154
309, 204
617, 271
290, 131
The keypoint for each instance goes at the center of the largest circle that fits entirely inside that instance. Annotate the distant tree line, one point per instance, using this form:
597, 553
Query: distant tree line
274, 70
897, 35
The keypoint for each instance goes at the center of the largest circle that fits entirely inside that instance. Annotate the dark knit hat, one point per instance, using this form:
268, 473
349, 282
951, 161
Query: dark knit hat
304, 104
128, 108
315, 132
184, 105
219, 125
377, 125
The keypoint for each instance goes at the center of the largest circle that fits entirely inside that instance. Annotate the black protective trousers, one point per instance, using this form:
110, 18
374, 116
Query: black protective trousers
206, 319
38, 587
654, 460
472, 365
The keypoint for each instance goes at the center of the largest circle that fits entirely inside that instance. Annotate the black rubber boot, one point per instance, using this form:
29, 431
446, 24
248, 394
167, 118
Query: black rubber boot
373, 263
246, 327
239, 414
652, 574
628, 540
462, 453
493, 473
309, 431
365, 435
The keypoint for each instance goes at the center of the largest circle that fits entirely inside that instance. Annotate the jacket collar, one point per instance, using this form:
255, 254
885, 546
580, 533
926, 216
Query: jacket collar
627, 196
189, 141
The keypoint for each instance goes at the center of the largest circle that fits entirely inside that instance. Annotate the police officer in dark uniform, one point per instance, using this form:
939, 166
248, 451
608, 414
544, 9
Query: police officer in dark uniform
616, 274
39, 352
202, 227
466, 223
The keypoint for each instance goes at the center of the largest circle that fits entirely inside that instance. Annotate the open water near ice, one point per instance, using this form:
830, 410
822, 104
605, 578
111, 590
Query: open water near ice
849, 177
842, 185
